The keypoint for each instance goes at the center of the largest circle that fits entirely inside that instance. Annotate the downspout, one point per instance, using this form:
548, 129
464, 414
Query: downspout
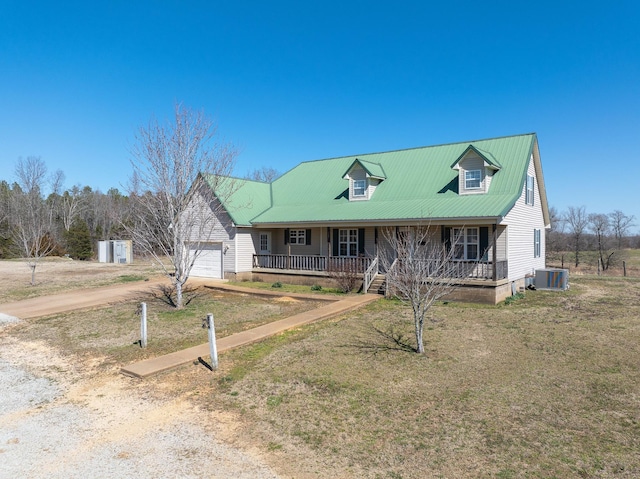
235, 252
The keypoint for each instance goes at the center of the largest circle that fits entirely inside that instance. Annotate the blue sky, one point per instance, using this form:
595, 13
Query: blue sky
295, 81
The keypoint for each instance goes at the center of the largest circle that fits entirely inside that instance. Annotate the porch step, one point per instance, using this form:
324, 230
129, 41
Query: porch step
378, 285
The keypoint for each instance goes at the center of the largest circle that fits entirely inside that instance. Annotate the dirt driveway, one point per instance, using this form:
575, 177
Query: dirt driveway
61, 418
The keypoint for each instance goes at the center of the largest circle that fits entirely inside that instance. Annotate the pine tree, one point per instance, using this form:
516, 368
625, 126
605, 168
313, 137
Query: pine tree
78, 240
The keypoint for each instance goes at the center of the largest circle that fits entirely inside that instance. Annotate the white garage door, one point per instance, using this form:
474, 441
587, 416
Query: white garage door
209, 261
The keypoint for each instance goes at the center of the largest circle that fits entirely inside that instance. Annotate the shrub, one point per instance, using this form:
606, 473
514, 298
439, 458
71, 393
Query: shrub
277, 284
316, 287
345, 274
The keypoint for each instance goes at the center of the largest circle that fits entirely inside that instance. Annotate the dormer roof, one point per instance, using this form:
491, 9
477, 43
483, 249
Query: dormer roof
373, 170
489, 162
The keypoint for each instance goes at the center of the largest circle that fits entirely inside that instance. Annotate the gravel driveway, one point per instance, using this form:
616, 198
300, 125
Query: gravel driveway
60, 419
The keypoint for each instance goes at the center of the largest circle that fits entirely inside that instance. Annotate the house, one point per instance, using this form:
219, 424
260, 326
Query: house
488, 194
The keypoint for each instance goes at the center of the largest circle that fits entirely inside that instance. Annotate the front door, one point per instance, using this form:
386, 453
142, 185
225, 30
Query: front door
265, 242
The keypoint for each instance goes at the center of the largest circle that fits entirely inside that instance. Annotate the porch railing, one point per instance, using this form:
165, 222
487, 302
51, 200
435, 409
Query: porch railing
361, 265
310, 262
370, 274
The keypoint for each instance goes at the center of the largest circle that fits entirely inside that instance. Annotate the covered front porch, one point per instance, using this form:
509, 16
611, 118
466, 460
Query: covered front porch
316, 252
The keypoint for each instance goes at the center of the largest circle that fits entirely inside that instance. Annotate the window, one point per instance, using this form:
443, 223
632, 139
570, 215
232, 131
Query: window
297, 236
359, 187
465, 243
348, 242
530, 190
472, 179
536, 243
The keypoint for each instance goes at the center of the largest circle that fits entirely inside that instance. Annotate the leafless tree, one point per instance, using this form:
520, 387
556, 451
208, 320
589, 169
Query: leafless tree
31, 215
265, 174
620, 225
577, 222
420, 269
71, 206
555, 234
180, 172
599, 225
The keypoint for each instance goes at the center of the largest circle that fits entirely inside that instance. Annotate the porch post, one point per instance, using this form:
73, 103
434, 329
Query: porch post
494, 251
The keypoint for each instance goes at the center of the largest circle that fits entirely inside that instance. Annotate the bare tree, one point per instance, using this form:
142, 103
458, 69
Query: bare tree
71, 206
420, 269
265, 174
577, 222
620, 224
31, 215
599, 225
179, 175
555, 234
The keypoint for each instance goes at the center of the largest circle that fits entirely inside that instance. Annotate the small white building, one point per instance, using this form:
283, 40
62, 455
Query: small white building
115, 251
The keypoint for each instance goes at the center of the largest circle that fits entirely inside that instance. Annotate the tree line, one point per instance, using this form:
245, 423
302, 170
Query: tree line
39, 217
578, 231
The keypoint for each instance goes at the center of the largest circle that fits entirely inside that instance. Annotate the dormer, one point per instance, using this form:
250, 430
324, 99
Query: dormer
475, 171
363, 178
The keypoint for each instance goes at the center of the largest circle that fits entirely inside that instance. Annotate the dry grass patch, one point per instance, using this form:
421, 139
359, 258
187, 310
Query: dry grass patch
113, 332
57, 275
545, 387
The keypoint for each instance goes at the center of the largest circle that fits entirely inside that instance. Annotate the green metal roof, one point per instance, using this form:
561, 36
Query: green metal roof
419, 184
243, 199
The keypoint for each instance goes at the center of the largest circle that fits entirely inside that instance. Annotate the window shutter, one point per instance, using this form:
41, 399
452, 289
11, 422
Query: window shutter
484, 242
307, 237
445, 233
286, 236
335, 245
360, 240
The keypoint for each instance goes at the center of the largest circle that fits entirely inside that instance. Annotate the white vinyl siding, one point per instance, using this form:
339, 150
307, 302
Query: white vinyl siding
243, 251
221, 232
521, 221
470, 166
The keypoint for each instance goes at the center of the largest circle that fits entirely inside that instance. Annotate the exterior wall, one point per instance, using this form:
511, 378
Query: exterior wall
472, 163
521, 221
243, 250
216, 228
357, 173
317, 246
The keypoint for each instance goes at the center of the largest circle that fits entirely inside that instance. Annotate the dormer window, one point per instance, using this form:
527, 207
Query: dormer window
472, 179
363, 178
475, 171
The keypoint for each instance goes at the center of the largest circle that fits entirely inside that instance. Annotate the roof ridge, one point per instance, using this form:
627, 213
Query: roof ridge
415, 148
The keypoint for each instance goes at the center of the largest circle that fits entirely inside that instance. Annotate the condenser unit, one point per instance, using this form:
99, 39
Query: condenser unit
552, 278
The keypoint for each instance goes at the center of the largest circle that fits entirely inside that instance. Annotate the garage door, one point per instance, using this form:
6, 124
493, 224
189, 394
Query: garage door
209, 261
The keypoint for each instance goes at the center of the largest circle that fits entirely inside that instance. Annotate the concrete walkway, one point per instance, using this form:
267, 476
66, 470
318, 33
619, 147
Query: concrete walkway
153, 366
95, 297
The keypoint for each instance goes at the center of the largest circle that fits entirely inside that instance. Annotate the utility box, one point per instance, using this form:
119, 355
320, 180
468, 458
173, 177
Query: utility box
115, 251
552, 278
